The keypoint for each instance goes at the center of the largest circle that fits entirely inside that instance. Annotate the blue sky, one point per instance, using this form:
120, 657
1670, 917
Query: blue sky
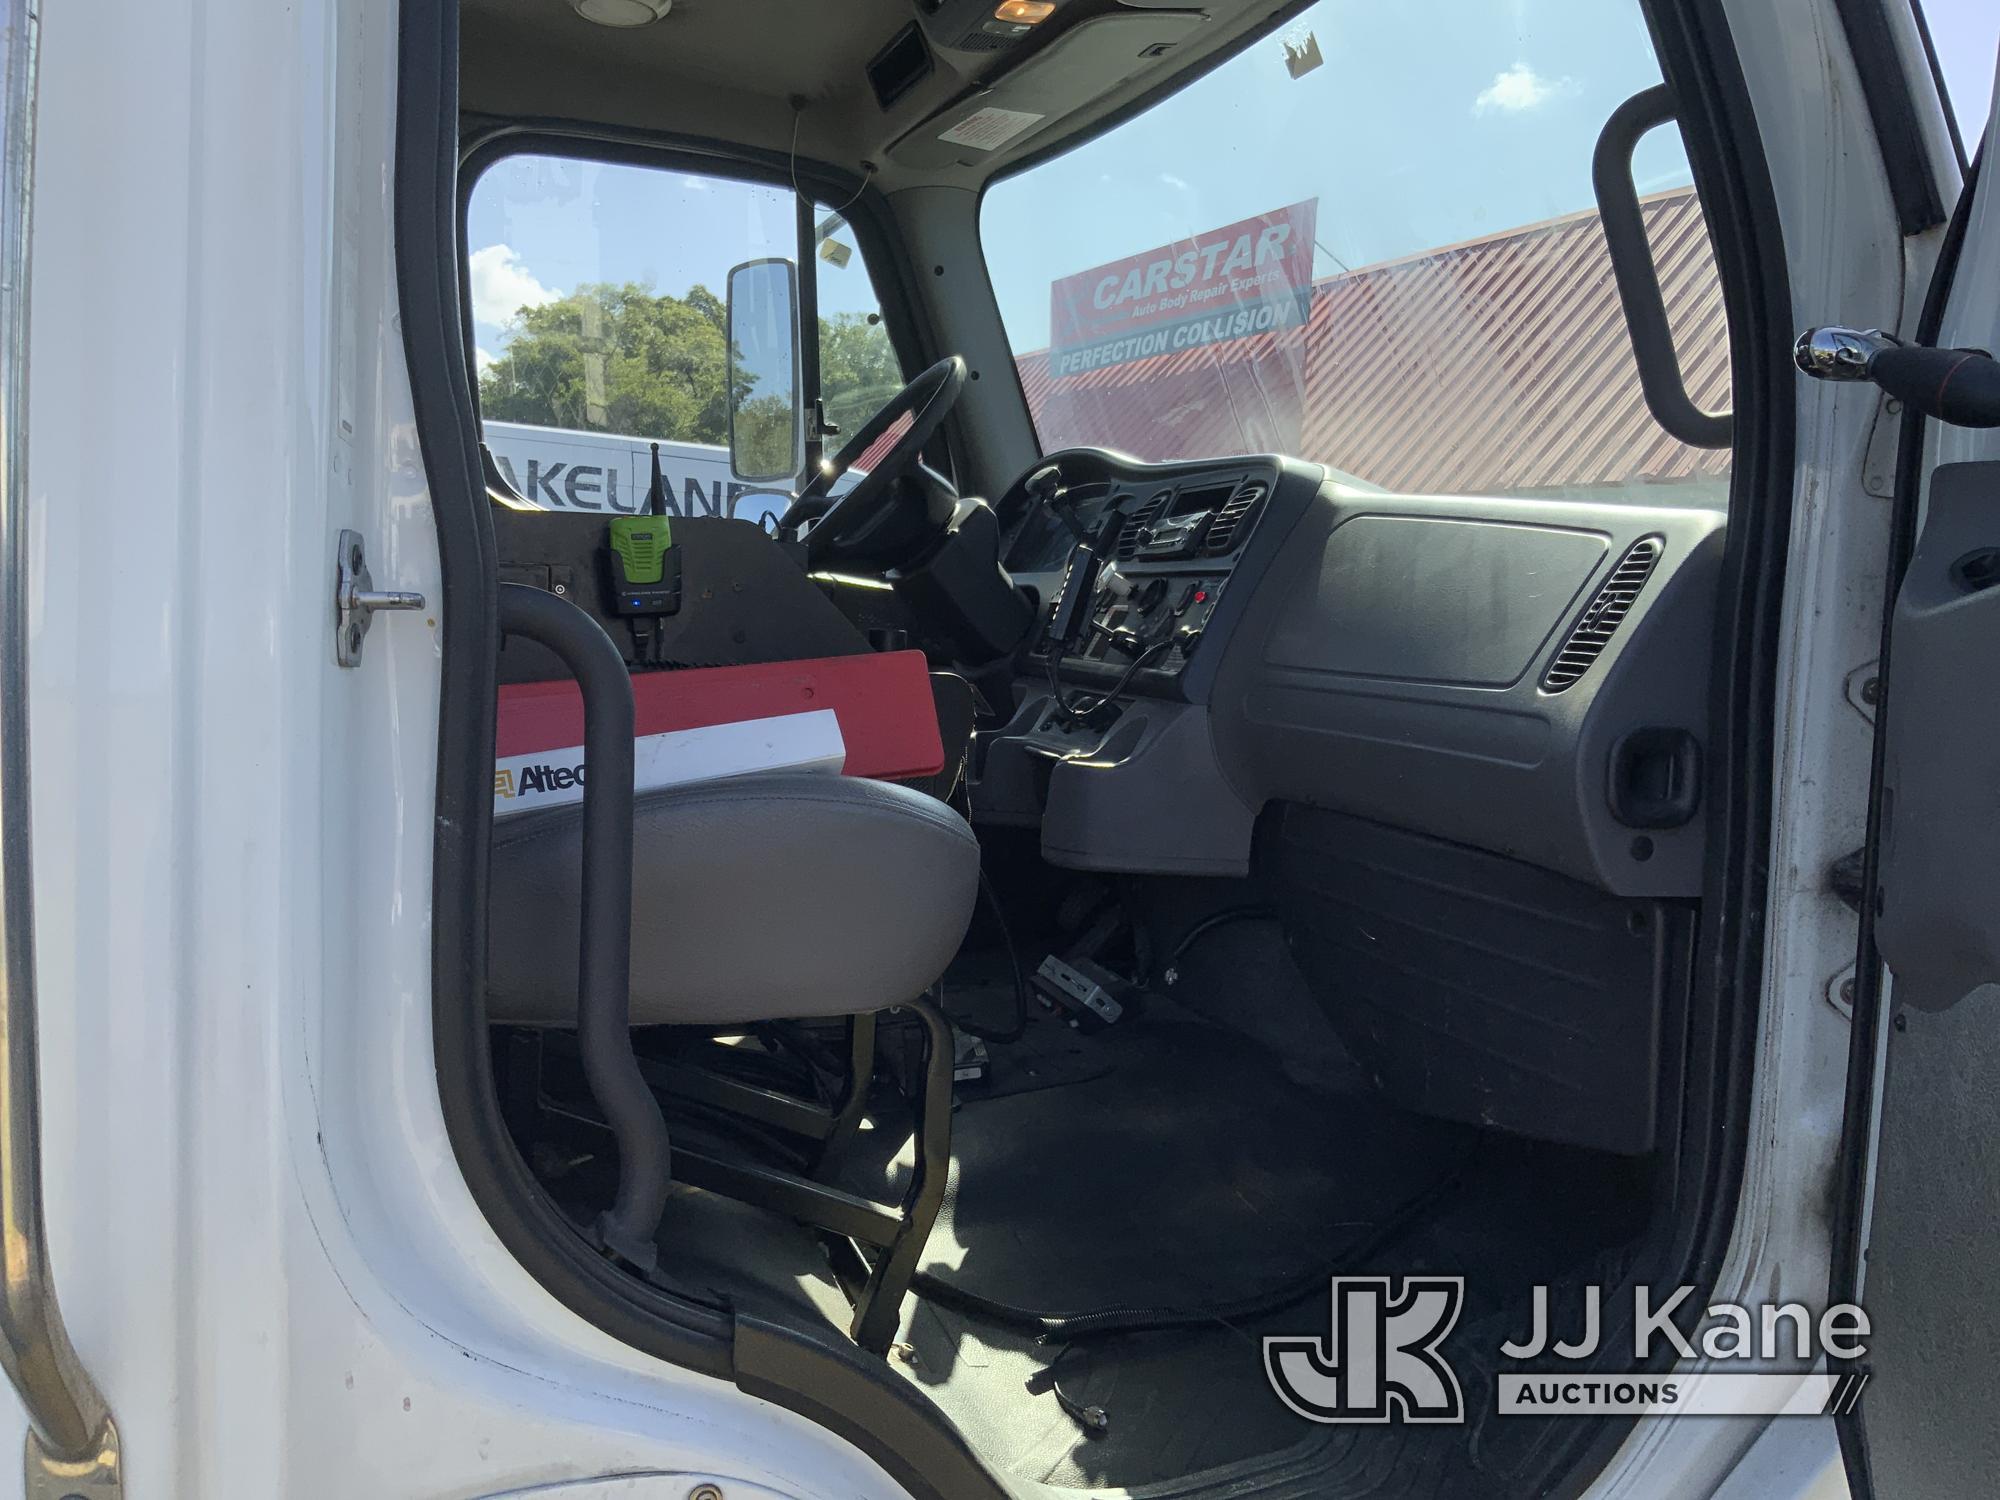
1966, 34
540, 226
1426, 125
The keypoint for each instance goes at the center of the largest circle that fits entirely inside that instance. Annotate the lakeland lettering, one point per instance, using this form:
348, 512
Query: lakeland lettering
567, 486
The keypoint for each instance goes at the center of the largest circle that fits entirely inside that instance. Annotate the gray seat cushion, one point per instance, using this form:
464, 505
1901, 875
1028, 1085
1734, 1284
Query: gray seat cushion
763, 898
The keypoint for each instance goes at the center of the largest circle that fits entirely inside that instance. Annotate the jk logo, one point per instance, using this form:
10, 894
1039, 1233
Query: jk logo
1379, 1359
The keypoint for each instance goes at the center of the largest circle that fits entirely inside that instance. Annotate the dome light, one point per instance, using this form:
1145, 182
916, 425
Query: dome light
622, 13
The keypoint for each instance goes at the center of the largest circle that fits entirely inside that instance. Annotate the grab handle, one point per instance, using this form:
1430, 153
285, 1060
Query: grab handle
604, 960
1638, 279
72, 1445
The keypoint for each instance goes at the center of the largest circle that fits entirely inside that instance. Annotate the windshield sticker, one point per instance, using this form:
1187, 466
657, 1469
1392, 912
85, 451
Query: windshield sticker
989, 129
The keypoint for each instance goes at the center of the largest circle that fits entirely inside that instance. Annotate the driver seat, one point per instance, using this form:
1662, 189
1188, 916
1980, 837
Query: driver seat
789, 896
779, 897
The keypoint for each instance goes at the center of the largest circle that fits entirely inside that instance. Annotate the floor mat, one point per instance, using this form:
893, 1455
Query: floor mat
1050, 1054
1185, 1169
1189, 1172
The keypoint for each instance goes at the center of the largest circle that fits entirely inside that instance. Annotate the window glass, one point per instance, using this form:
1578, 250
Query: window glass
600, 325
1369, 240
858, 369
1965, 34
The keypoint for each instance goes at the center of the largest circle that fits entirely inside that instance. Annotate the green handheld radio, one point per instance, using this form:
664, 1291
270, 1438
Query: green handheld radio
645, 564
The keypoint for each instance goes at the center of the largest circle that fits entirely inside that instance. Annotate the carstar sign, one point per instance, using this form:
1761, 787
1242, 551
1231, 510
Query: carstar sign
1253, 276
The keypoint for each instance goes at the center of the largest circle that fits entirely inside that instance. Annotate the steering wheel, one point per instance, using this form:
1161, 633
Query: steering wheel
845, 521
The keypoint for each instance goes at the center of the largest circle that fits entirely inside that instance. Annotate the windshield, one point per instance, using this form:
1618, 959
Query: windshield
1369, 240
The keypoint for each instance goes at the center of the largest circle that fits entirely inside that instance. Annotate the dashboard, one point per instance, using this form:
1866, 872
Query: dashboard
1456, 743
1516, 674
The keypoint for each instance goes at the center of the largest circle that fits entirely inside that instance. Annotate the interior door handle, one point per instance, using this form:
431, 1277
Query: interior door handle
1654, 778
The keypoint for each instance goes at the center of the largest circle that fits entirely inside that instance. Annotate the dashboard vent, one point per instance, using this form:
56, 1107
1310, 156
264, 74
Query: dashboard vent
1223, 531
1601, 618
1138, 521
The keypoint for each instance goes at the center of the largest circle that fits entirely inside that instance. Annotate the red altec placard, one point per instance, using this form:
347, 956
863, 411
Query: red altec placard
888, 718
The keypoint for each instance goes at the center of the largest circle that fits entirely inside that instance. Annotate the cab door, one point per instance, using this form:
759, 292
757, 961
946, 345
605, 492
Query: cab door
1923, 1253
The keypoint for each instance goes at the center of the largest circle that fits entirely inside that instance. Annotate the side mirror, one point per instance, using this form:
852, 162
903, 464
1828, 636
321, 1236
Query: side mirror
766, 413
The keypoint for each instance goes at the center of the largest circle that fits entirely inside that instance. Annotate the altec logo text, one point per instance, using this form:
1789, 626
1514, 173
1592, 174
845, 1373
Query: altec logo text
526, 781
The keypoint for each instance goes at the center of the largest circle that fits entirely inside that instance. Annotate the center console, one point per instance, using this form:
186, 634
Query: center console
1177, 537
1182, 547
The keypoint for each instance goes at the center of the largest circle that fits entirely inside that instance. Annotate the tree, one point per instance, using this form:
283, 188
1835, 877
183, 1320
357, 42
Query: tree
617, 359
858, 370
626, 359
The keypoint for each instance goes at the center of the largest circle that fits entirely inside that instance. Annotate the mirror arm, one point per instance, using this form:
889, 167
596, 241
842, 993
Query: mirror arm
807, 283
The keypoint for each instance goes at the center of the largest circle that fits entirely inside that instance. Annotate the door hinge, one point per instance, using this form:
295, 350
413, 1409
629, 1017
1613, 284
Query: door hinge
355, 599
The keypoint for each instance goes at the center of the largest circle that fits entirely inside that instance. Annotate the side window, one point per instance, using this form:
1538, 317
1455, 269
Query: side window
599, 321
858, 369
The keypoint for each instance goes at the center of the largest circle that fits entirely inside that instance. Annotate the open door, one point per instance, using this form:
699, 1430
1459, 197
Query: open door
1923, 1254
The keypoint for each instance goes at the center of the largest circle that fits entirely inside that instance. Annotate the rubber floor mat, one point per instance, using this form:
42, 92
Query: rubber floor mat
1190, 1172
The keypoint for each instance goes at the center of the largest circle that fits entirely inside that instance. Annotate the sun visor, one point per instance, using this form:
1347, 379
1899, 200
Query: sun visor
1086, 62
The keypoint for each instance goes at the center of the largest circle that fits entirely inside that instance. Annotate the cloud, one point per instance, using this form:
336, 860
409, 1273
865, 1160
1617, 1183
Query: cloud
1520, 88
502, 286
482, 359
1179, 184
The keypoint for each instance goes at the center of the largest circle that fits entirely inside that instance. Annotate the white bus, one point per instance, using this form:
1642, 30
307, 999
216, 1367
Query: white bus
556, 468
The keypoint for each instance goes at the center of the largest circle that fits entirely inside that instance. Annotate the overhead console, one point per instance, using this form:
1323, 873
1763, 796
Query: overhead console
1037, 76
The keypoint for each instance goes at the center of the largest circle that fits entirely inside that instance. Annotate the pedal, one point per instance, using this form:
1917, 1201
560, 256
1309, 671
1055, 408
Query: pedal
1089, 995
970, 1061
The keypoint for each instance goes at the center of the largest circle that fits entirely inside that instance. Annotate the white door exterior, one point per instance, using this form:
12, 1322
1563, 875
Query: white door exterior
264, 1249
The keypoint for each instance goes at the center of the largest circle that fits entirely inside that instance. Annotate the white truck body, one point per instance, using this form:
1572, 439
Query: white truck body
555, 468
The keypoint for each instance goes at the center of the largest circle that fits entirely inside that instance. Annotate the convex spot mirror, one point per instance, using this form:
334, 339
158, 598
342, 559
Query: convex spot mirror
766, 413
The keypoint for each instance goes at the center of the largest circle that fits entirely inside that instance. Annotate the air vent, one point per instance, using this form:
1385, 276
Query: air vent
1223, 531
1601, 618
1138, 521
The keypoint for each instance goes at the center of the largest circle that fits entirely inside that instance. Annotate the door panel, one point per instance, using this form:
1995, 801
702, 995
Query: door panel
1927, 1424
1940, 888
1928, 1417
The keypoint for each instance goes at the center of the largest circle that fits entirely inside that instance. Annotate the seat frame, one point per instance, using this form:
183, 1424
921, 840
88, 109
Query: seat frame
874, 1247
627, 1100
